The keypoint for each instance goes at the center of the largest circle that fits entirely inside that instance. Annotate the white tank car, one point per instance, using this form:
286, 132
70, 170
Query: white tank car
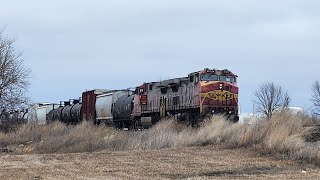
38, 112
105, 104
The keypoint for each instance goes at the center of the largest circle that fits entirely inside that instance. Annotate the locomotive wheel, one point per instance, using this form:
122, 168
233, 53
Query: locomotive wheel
97, 122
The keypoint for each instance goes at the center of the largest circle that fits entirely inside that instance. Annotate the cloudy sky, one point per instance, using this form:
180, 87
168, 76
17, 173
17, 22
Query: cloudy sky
76, 45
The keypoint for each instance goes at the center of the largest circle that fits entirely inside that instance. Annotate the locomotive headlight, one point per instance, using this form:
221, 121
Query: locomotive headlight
230, 112
221, 86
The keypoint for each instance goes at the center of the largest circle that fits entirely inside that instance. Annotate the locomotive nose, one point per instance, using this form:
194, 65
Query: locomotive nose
219, 96
223, 86
211, 86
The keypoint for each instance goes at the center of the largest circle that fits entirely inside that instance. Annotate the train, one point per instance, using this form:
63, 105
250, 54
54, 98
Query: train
189, 99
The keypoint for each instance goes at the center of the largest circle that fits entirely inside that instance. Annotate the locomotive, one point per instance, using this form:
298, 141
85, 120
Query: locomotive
190, 99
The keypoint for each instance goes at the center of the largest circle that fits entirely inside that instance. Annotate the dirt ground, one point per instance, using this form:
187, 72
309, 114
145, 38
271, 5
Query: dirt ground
186, 163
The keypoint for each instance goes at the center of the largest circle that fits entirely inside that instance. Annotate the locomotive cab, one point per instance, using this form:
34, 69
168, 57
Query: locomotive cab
219, 93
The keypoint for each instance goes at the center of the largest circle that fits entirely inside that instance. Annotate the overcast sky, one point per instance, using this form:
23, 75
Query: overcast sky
76, 45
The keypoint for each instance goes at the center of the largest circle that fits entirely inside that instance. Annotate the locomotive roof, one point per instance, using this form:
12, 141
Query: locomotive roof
171, 81
177, 80
217, 71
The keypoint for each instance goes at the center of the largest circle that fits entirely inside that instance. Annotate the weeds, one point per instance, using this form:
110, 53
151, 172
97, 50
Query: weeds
282, 134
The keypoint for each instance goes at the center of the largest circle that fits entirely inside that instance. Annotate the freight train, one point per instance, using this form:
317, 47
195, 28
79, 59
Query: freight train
190, 99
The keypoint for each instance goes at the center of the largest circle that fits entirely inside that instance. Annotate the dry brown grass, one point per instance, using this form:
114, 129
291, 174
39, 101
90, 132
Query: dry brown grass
283, 134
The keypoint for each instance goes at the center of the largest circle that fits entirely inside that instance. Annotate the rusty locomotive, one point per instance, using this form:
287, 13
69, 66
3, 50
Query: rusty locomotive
190, 99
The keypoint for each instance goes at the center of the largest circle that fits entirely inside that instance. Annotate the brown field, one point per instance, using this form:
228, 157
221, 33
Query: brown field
274, 149
208, 162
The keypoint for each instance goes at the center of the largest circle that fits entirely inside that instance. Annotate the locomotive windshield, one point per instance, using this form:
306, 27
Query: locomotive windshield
228, 79
209, 77
214, 77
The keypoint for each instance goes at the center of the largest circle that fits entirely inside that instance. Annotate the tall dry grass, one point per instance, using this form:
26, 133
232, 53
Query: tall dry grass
283, 134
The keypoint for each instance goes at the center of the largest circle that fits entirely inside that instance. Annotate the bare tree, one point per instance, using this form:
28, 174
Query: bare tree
316, 97
14, 76
270, 97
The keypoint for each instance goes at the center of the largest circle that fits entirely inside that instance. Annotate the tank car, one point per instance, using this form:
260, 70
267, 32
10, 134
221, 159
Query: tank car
123, 111
69, 112
111, 107
37, 112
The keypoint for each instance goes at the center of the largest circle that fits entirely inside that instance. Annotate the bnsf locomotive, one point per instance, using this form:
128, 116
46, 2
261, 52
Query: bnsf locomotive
191, 98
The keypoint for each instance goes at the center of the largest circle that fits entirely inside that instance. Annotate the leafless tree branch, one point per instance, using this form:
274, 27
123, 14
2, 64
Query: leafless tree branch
269, 98
14, 76
316, 97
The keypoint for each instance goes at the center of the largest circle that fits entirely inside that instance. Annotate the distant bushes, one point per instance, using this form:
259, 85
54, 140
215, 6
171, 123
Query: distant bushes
8, 125
283, 134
